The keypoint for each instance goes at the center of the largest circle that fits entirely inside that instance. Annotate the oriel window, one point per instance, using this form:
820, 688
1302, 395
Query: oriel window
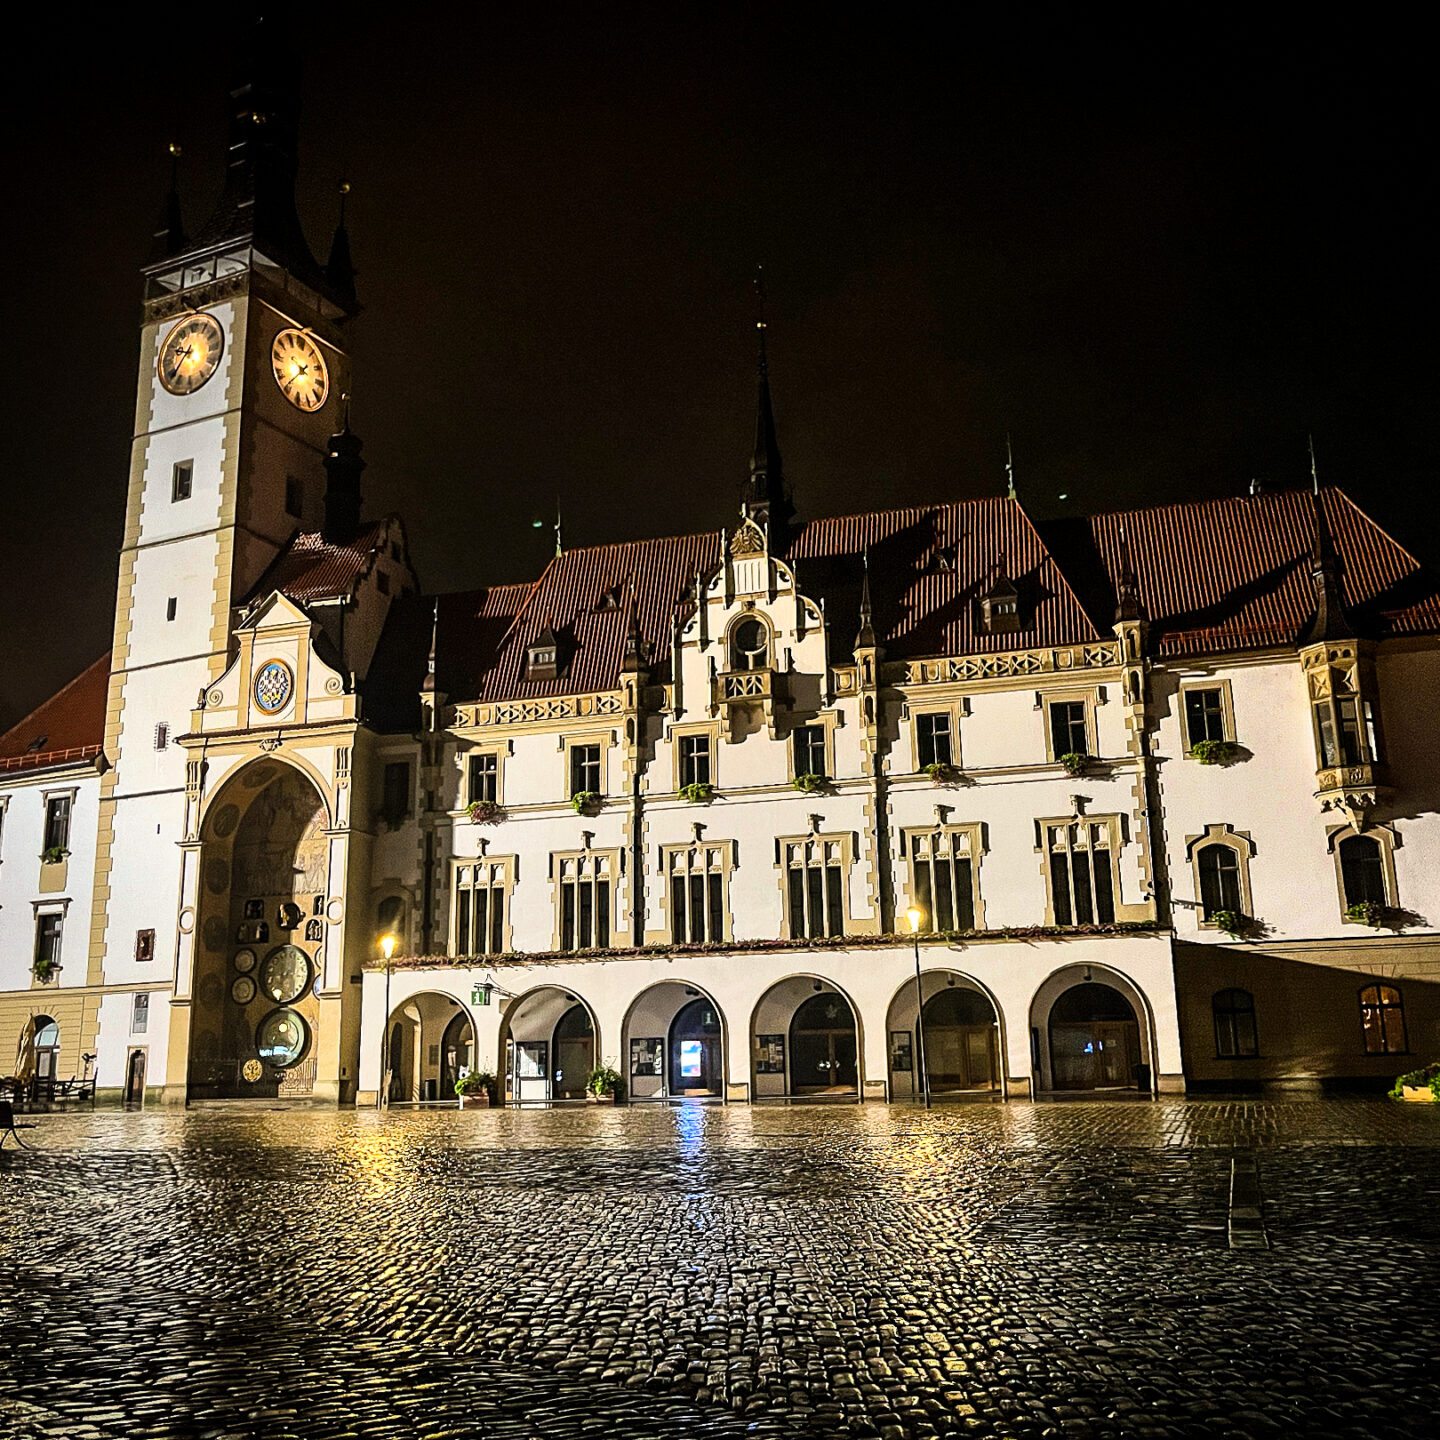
695, 760
932, 739
585, 770
1067, 728
1082, 887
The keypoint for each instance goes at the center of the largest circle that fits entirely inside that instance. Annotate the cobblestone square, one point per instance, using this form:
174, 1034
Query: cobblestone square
1000, 1270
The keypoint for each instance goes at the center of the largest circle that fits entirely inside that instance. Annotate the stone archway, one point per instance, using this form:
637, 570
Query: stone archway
259, 957
1092, 1030
805, 1042
674, 1045
430, 1043
549, 1039
962, 1039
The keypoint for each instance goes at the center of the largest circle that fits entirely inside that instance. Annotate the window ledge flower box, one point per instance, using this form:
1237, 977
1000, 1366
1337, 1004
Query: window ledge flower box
1074, 762
700, 792
942, 774
1214, 752
811, 784
586, 802
484, 812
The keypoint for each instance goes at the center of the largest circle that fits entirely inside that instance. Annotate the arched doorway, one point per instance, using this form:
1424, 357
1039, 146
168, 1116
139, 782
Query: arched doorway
697, 1062
457, 1053
824, 1049
431, 1043
47, 1048
962, 1039
260, 937
573, 1049
135, 1078
1094, 1039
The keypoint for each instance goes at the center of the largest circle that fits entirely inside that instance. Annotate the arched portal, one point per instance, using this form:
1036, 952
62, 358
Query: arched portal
431, 1044
47, 1048
1094, 1039
805, 1042
673, 1044
259, 952
962, 1039
550, 1040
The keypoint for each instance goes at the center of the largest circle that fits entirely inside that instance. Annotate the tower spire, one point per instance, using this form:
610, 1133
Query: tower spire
865, 639
1009, 470
339, 269
766, 501
1332, 621
170, 232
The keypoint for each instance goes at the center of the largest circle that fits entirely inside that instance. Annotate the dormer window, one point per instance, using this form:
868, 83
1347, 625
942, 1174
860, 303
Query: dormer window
1000, 607
542, 656
749, 645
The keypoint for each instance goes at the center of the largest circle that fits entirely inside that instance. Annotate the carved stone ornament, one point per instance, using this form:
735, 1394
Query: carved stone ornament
749, 539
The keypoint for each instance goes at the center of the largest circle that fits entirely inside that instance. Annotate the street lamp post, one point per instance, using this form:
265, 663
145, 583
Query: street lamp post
387, 949
916, 917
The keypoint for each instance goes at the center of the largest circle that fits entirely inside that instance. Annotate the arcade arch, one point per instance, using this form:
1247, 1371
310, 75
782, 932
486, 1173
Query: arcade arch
674, 1044
805, 1042
1092, 1029
964, 1039
431, 1044
550, 1039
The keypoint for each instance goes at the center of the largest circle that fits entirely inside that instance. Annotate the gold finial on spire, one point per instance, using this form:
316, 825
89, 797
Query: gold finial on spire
1009, 469
1314, 474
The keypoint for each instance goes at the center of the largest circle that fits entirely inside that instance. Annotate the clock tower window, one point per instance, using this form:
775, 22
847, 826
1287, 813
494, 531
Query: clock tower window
182, 480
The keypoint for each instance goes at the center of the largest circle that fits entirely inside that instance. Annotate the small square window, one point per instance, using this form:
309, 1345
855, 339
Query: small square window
171, 605
144, 945
182, 480
294, 497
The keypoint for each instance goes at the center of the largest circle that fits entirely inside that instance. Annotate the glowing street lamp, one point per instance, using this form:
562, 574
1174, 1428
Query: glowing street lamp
387, 949
916, 917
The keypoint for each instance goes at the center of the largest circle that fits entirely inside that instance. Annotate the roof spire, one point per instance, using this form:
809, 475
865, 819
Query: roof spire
339, 269
1332, 621
865, 639
1314, 474
766, 502
428, 684
1127, 584
1009, 470
634, 655
170, 232
343, 465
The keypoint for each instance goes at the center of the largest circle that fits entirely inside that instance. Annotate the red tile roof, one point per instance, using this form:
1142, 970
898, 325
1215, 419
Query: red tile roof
310, 568
68, 728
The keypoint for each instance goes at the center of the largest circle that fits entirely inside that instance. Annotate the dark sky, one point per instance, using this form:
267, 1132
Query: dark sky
1157, 257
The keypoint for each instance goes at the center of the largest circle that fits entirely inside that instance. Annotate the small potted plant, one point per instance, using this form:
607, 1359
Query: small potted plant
698, 792
476, 1090
586, 802
941, 773
53, 854
605, 1086
1075, 762
1420, 1086
1214, 752
1367, 912
811, 784
45, 970
485, 812
1235, 923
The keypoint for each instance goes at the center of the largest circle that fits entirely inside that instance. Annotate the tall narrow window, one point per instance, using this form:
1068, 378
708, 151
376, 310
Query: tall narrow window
144, 946
1082, 887
182, 480
140, 1013
1219, 880
1382, 1019
697, 894
395, 800
294, 496
1067, 728
483, 780
1234, 1012
1362, 871
942, 879
694, 760
932, 739
815, 887
585, 901
480, 905
585, 770
171, 606
49, 927
57, 824
1204, 715
162, 735
808, 742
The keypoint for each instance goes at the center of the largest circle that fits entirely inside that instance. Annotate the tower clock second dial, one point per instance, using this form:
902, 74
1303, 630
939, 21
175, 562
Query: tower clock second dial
300, 369
190, 353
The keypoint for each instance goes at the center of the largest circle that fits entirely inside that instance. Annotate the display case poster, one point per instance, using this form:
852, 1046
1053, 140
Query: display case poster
647, 1057
901, 1051
769, 1054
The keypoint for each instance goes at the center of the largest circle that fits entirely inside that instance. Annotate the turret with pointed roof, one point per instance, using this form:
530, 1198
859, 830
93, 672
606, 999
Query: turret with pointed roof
766, 500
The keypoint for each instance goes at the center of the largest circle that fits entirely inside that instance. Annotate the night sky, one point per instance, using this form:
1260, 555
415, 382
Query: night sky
1157, 259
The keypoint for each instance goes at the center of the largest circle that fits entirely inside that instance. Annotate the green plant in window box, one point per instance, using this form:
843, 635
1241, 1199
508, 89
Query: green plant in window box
586, 802
1368, 912
45, 971
1075, 762
1214, 752
698, 792
605, 1085
1422, 1085
811, 784
53, 855
941, 773
477, 1090
1235, 923
485, 812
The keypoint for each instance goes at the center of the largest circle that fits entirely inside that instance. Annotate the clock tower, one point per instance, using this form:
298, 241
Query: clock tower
242, 365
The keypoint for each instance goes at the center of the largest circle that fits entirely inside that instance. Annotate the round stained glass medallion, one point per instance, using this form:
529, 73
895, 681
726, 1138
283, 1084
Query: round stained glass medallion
244, 961
285, 974
242, 989
273, 684
281, 1038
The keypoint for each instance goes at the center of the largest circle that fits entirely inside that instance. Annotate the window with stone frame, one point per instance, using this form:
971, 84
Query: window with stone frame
585, 885
585, 770
807, 748
697, 878
1382, 1020
57, 823
695, 760
49, 933
1220, 885
482, 906
482, 778
1362, 871
933, 738
1235, 1035
140, 1013
944, 876
1204, 714
1069, 732
815, 875
749, 645
1081, 871
144, 946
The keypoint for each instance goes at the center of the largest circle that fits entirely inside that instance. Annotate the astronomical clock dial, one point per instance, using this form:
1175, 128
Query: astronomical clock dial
300, 369
190, 353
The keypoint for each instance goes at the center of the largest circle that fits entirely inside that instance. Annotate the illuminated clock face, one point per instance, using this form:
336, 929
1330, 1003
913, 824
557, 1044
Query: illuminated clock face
190, 353
300, 369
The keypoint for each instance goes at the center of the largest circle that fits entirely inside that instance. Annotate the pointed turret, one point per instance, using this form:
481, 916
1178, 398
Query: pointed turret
865, 638
633, 660
766, 501
1332, 621
343, 467
1127, 584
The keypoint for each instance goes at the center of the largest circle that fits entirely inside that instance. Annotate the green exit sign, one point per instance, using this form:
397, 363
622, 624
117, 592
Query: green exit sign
479, 994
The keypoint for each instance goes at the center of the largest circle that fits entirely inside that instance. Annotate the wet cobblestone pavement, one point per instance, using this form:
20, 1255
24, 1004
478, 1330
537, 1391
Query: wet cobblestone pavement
1006, 1271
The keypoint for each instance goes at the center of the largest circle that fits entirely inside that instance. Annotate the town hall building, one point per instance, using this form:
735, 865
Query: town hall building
802, 807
